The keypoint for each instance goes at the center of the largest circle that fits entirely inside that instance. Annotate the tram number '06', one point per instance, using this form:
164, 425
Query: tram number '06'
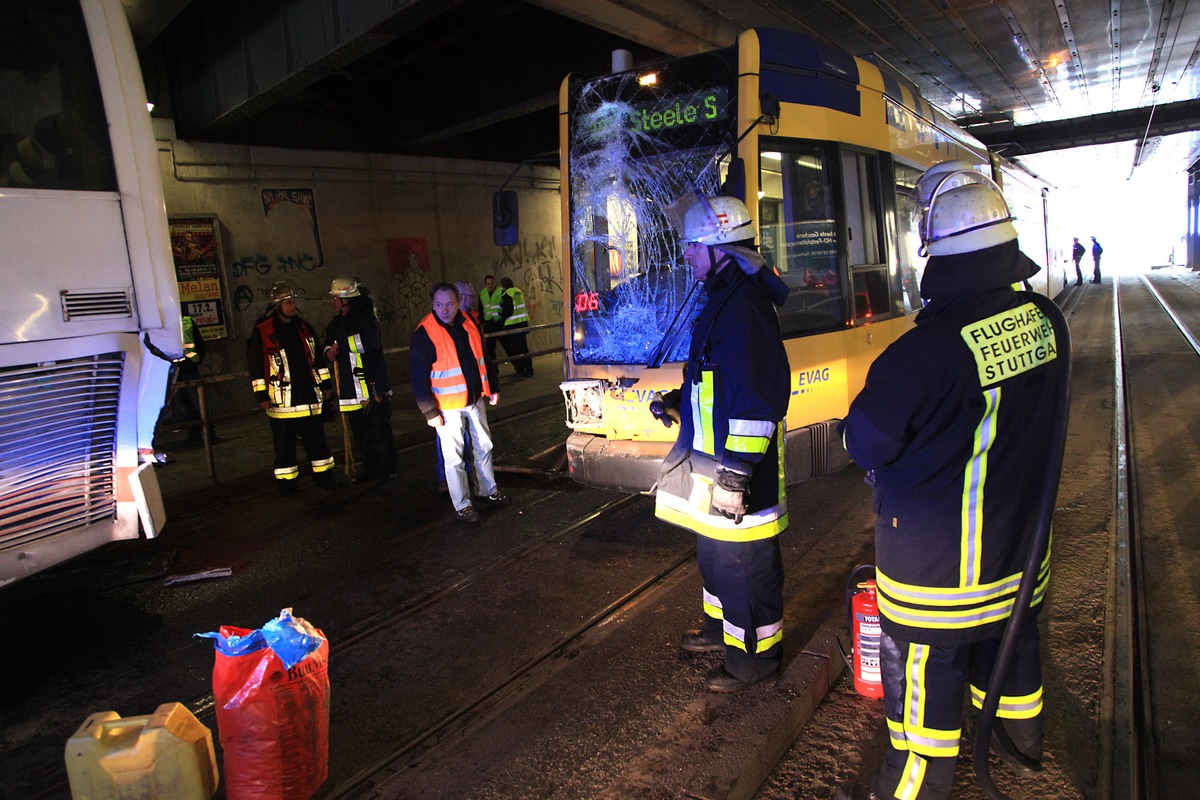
587, 301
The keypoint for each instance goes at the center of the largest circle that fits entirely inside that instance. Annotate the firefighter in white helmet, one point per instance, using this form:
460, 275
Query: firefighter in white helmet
289, 380
954, 420
354, 350
723, 478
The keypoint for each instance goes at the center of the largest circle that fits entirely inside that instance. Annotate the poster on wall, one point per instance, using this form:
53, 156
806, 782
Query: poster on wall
196, 247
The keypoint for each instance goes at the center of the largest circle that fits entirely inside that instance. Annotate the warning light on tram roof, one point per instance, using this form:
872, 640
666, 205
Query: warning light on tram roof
648, 78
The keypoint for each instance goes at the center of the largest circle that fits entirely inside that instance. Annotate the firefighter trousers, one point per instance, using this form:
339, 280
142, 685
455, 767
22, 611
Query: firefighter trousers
311, 433
743, 602
923, 689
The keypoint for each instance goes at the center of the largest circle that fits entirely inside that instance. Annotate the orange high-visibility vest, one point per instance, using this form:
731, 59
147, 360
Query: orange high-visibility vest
446, 378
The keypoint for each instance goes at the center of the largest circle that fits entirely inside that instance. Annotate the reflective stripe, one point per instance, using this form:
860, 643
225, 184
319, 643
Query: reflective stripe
751, 427
519, 314
768, 636
287, 473
954, 607
712, 605
702, 413
971, 546
734, 636
1026, 707
912, 778
761, 525
293, 412
258, 385
356, 368
491, 303
747, 444
929, 742
322, 464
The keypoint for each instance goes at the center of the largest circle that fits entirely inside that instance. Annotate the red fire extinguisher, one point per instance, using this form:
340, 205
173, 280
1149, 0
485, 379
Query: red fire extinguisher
862, 612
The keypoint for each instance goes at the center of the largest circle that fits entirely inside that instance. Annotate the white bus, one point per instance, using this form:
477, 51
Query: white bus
85, 273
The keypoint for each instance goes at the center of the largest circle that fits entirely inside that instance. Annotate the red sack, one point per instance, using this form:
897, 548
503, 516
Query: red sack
273, 720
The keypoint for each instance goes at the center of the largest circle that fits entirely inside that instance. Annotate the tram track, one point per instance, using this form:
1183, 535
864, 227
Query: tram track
1137, 677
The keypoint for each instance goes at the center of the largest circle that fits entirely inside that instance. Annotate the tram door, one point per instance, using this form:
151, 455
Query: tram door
867, 254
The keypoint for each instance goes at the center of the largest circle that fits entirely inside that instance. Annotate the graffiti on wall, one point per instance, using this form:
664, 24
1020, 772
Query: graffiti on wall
408, 265
303, 201
535, 266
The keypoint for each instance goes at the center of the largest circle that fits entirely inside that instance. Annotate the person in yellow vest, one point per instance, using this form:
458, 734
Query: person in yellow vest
516, 319
489, 313
451, 383
289, 379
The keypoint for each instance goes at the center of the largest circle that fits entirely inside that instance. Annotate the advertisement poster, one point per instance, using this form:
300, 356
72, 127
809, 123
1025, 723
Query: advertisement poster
196, 246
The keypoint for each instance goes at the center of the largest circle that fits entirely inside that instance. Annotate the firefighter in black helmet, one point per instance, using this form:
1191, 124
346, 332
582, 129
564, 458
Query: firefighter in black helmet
954, 420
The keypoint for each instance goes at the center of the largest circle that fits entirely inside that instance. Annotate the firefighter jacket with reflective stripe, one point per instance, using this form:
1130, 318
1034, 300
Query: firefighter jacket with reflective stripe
733, 401
361, 369
448, 370
489, 303
513, 308
284, 367
955, 422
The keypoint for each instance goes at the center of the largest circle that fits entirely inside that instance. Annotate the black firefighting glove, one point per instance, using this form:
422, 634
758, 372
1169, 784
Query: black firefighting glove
665, 407
729, 494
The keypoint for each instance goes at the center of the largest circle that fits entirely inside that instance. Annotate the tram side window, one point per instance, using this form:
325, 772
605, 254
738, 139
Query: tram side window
53, 130
868, 265
909, 265
798, 234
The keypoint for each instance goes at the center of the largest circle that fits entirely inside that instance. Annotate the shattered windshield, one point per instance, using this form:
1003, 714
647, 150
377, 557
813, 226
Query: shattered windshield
635, 146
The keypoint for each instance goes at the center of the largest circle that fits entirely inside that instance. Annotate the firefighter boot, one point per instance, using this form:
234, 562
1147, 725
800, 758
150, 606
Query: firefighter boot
709, 639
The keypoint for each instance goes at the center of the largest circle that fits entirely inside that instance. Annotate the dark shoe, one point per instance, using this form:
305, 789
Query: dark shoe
1079, 283
856, 790
495, 499
718, 680
695, 642
384, 480
363, 478
286, 488
1017, 762
468, 514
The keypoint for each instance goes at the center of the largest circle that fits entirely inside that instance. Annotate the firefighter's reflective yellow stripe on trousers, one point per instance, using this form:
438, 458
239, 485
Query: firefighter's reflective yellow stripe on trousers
258, 384
749, 435
702, 414
912, 778
712, 605
322, 464
1026, 707
287, 473
911, 733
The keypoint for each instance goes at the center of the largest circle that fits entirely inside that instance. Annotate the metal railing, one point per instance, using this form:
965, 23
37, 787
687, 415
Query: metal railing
205, 421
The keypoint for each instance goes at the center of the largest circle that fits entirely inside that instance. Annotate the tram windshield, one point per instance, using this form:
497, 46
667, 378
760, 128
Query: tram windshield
636, 144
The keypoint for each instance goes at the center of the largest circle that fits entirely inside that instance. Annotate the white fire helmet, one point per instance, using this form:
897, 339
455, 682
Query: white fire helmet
344, 287
962, 210
711, 220
282, 291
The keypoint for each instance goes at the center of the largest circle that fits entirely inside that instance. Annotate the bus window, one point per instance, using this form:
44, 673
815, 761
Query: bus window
53, 131
908, 264
868, 267
798, 233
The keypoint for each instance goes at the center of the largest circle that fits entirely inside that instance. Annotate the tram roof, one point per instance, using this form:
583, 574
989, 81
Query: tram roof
479, 78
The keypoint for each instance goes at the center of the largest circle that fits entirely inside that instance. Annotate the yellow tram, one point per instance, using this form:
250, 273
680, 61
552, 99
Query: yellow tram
824, 148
